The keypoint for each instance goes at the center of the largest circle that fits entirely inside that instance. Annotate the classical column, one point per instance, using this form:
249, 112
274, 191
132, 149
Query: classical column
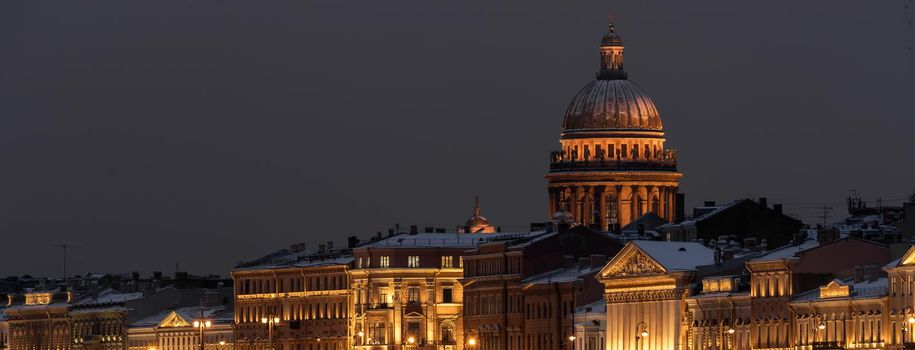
602, 208
636, 203
649, 199
577, 199
589, 198
673, 202
619, 206
553, 200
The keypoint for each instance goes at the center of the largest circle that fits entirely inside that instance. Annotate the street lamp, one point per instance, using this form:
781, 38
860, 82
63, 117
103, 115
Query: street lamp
271, 322
572, 340
641, 330
728, 331
471, 342
202, 325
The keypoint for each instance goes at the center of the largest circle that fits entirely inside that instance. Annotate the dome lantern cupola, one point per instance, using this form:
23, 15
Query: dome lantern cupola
611, 55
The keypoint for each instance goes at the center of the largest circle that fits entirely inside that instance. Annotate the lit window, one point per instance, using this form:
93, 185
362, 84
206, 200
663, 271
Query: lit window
461, 261
413, 261
413, 294
447, 261
359, 263
385, 261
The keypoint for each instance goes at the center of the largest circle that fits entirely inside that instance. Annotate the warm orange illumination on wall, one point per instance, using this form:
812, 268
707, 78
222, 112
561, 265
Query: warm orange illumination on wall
38, 298
834, 290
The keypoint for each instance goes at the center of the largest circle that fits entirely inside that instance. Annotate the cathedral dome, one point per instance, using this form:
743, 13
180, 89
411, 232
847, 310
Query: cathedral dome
611, 102
607, 104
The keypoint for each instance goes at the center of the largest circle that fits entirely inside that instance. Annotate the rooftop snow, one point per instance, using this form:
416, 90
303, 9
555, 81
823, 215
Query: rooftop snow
863, 289
788, 251
439, 240
568, 274
677, 256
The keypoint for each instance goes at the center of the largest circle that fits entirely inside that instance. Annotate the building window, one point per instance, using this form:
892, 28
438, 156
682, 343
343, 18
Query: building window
359, 263
461, 261
413, 261
377, 333
413, 294
447, 261
385, 261
448, 334
447, 295
413, 330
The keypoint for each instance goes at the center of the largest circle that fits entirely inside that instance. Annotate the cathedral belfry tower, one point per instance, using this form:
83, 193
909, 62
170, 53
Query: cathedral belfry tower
612, 167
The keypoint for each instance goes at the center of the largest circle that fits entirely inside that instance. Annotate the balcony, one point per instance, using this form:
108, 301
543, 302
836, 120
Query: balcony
614, 165
828, 345
665, 160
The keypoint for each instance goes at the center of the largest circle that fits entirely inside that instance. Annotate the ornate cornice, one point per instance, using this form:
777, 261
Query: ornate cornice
647, 295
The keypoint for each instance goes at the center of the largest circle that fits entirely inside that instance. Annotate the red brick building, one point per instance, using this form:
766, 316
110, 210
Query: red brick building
519, 291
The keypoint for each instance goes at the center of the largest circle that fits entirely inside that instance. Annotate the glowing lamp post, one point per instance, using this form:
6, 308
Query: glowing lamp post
271, 322
641, 331
202, 325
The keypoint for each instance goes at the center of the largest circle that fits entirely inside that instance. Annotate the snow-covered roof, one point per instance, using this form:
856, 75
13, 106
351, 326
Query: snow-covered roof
338, 260
677, 256
859, 290
217, 314
787, 251
567, 274
109, 296
440, 240
598, 306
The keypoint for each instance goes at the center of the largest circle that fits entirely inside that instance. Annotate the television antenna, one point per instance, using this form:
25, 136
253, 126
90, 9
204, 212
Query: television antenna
66, 247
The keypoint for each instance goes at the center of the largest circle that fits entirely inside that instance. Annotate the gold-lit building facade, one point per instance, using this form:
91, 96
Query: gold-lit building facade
679, 295
51, 320
181, 330
294, 301
407, 294
613, 165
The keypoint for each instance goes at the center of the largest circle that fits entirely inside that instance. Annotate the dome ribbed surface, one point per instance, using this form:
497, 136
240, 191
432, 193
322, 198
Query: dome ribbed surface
612, 104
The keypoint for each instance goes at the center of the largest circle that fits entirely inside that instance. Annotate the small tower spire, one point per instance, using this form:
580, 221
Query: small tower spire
476, 206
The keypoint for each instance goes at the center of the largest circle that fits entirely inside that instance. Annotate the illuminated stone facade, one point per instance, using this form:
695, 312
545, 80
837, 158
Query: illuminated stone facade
179, 330
613, 166
52, 321
645, 287
661, 297
407, 294
301, 305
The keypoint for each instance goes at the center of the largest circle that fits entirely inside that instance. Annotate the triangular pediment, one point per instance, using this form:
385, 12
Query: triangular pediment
908, 259
632, 261
174, 320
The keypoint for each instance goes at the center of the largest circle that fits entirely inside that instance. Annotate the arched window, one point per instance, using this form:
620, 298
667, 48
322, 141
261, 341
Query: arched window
447, 333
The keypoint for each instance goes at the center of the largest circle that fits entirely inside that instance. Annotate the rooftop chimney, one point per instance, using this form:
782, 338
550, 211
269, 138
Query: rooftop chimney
680, 208
429, 229
763, 202
352, 242
414, 229
598, 260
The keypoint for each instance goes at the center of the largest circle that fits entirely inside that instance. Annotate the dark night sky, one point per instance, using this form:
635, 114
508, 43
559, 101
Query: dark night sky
205, 132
